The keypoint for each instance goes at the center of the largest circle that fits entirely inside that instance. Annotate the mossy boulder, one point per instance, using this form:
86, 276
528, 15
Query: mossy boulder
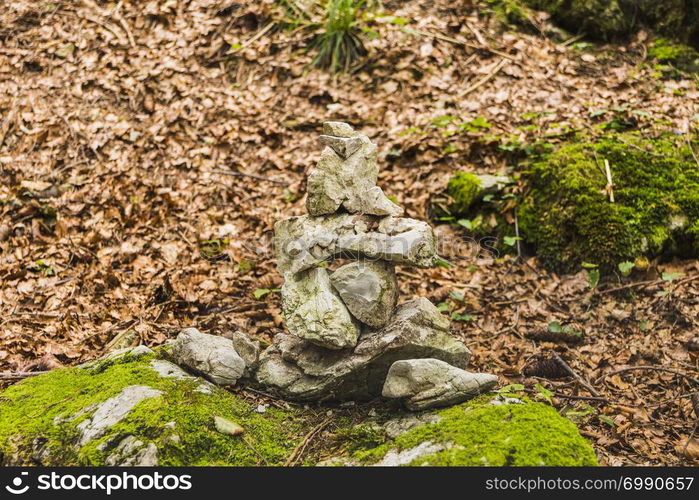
609, 19
680, 56
568, 215
137, 408
484, 432
71, 417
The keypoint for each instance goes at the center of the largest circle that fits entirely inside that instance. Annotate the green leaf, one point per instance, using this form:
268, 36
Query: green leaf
625, 267
544, 393
589, 265
510, 388
510, 240
555, 327
261, 292
456, 295
443, 306
607, 420
461, 317
671, 276
442, 263
593, 278
468, 224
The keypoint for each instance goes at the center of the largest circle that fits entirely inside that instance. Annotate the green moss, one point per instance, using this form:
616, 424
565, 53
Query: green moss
680, 56
569, 218
478, 433
464, 189
609, 19
28, 410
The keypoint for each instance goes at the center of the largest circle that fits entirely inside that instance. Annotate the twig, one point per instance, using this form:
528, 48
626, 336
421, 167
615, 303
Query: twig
572, 372
466, 44
298, 451
487, 77
582, 398
519, 247
653, 368
610, 185
19, 375
249, 444
254, 176
259, 35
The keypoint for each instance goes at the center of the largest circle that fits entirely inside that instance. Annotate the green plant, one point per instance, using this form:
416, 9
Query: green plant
338, 44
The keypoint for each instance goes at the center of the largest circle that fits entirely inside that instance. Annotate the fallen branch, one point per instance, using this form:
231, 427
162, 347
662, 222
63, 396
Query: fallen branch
298, 451
582, 398
19, 375
573, 374
487, 77
653, 368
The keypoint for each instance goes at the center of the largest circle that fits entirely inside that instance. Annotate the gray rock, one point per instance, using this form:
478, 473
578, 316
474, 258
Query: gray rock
303, 242
343, 146
303, 371
339, 129
426, 383
347, 181
167, 369
314, 311
400, 425
397, 458
132, 452
113, 410
368, 289
213, 357
247, 349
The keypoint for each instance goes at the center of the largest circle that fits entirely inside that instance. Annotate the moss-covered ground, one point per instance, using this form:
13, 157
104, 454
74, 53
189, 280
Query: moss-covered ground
28, 410
479, 433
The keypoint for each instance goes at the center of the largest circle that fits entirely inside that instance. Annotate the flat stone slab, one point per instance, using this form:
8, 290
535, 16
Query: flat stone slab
300, 370
305, 241
315, 312
369, 290
427, 383
112, 411
210, 356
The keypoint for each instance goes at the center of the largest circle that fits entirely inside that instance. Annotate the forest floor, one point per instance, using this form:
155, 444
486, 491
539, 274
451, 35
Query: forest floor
116, 121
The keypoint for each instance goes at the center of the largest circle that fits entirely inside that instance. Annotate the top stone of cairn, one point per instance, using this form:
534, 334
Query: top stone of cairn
346, 175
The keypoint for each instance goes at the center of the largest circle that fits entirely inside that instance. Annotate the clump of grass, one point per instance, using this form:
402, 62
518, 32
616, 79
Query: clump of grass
338, 44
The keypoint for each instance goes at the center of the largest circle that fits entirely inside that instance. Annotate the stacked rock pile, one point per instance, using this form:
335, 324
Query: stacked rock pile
348, 337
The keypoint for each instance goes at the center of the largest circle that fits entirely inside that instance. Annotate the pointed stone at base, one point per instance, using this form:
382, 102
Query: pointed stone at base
426, 383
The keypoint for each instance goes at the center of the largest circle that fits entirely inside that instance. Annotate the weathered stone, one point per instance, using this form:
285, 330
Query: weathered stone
303, 242
215, 358
131, 452
339, 129
247, 349
166, 369
302, 371
346, 176
314, 311
426, 383
113, 410
343, 146
368, 289
400, 425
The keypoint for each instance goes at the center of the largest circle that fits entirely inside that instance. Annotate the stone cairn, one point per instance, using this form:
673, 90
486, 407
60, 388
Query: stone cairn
348, 337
